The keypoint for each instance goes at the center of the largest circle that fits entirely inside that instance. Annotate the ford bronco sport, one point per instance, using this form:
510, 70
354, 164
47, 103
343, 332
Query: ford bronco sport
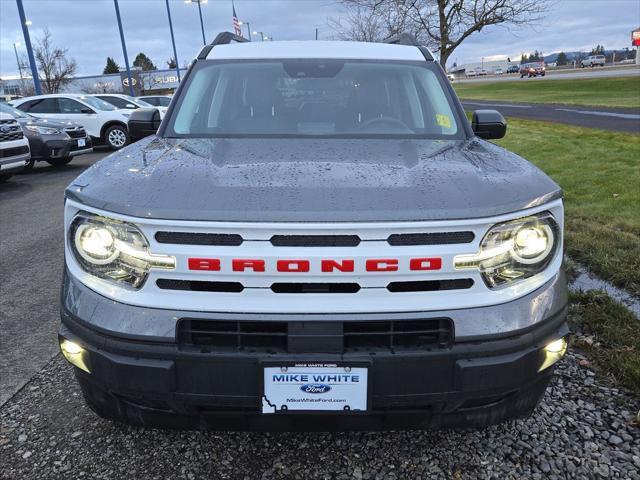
316, 238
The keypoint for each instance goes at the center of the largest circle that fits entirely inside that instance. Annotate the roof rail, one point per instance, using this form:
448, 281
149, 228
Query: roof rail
408, 39
223, 38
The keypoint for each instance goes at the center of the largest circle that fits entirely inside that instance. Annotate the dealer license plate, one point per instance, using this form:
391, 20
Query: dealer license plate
316, 387
81, 142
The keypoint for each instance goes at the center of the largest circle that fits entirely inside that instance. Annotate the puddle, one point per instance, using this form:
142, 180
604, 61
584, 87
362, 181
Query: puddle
586, 282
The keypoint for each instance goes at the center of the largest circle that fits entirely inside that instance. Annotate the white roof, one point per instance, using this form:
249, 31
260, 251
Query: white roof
316, 49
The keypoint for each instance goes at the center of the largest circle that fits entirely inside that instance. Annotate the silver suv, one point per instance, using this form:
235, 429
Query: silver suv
593, 61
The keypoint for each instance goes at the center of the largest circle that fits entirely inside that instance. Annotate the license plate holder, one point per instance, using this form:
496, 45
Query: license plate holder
315, 387
82, 142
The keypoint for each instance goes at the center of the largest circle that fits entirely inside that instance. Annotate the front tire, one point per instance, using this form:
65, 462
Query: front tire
116, 137
29, 165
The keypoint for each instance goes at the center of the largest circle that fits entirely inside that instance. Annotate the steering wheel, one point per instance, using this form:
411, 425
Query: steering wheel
388, 120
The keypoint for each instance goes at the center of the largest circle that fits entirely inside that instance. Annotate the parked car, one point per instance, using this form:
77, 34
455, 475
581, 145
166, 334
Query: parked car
482, 71
127, 102
54, 141
534, 69
513, 69
157, 100
315, 238
498, 71
593, 61
471, 73
100, 119
14, 147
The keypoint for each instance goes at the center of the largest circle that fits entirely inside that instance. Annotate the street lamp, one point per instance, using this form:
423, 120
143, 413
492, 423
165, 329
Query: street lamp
248, 28
15, 49
262, 36
173, 41
27, 42
124, 48
199, 2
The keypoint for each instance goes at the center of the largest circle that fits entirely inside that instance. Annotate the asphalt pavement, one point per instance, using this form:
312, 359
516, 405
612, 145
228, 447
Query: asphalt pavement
31, 263
596, 72
615, 119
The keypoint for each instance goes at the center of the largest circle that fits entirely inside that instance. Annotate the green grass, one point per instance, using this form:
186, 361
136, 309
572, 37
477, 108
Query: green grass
616, 336
599, 172
606, 92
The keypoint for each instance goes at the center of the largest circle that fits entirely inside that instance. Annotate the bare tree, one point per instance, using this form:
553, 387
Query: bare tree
440, 24
55, 69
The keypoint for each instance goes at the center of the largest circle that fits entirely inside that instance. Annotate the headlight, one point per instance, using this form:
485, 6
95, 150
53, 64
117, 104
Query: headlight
114, 251
514, 250
43, 130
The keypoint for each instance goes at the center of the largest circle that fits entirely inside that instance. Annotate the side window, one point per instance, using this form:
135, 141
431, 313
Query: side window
44, 105
152, 101
68, 105
115, 101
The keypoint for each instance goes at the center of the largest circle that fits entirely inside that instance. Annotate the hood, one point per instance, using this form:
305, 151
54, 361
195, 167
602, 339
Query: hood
321, 180
48, 122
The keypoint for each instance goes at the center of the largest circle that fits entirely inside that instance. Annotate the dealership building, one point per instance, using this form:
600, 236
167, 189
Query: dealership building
150, 82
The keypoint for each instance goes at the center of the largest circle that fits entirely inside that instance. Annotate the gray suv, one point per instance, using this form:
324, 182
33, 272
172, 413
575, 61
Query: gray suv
316, 238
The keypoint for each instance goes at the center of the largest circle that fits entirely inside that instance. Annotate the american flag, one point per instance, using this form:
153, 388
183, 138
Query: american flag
236, 23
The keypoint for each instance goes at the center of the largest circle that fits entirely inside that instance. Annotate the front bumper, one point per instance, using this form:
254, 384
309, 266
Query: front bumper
14, 158
51, 147
472, 383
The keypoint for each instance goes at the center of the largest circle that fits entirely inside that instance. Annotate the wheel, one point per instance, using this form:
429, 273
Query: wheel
59, 162
542, 74
29, 165
591, 65
116, 137
521, 76
5, 177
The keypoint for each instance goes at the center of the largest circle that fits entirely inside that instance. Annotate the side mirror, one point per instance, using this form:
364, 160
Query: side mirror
489, 124
86, 110
143, 122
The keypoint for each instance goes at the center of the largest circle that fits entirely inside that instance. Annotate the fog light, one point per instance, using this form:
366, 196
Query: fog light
75, 354
553, 352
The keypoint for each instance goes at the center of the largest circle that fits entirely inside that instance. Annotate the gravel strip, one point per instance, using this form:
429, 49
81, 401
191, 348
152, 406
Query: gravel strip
584, 428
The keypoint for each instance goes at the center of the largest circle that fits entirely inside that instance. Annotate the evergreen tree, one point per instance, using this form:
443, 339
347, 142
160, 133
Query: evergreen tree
562, 59
144, 62
111, 66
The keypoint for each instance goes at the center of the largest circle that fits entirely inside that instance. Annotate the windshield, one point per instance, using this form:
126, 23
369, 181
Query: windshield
97, 103
314, 98
14, 112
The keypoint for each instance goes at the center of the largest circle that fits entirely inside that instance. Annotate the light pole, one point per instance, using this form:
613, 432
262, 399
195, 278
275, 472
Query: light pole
173, 42
27, 41
15, 49
248, 28
262, 36
199, 2
124, 48
316, 33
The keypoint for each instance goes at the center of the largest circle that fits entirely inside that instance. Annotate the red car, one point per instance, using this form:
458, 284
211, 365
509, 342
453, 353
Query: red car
532, 69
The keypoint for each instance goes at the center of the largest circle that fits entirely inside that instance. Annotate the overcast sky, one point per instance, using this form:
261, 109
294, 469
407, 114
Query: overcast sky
88, 28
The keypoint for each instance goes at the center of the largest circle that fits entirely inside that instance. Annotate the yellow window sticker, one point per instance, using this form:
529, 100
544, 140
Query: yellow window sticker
443, 120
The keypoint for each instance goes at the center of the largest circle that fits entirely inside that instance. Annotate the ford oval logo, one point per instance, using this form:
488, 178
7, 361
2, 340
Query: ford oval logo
315, 388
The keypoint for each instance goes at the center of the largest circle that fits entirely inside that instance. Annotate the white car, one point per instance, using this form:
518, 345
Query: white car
100, 119
157, 100
127, 102
498, 71
593, 61
14, 147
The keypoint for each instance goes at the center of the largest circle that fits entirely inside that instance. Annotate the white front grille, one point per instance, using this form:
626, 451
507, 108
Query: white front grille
258, 296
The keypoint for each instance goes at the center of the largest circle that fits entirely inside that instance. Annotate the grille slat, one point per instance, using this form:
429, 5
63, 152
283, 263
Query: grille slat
75, 132
12, 152
315, 240
437, 238
315, 287
192, 238
199, 286
316, 336
430, 285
